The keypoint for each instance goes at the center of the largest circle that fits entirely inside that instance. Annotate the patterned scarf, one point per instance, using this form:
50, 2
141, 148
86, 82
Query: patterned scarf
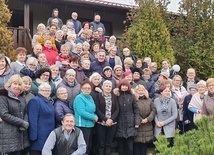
211, 94
164, 104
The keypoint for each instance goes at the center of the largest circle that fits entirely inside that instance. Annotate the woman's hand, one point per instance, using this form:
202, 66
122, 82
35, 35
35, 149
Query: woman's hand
98, 90
159, 124
109, 122
144, 121
96, 119
136, 126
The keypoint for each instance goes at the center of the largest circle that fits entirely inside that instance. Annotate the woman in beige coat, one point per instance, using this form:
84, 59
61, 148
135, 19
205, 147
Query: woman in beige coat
147, 113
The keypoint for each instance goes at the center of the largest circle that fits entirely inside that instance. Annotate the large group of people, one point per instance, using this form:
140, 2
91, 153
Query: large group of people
77, 92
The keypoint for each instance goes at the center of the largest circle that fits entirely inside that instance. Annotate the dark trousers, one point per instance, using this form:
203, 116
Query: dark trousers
14, 153
105, 136
125, 146
87, 133
35, 152
140, 148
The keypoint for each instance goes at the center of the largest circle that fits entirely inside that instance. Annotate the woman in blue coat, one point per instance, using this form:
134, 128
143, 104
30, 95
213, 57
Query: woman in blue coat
41, 118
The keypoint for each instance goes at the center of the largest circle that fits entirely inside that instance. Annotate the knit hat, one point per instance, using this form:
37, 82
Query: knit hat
107, 68
117, 66
138, 70
194, 86
165, 74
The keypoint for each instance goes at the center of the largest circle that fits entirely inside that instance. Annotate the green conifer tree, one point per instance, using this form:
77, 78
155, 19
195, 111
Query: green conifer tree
192, 36
194, 142
147, 34
6, 38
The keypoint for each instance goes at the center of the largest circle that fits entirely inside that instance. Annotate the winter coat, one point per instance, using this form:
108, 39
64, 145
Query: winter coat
150, 86
41, 114
146, 110
61, 108
117, 61
51, 54
5, 77
104, 78
128, 115
27, 72
14, 123
73, 91
169, 119
84, 111
96, 66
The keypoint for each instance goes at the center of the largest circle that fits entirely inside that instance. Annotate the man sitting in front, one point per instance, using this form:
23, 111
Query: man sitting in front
65, 140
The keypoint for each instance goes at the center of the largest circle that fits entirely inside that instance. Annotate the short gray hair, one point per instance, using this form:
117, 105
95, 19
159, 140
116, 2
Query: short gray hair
93, 75
70, 71
59, 90
44, 85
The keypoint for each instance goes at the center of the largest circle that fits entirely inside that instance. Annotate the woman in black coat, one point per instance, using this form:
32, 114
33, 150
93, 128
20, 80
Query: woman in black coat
13, 118
128, 118
107, 110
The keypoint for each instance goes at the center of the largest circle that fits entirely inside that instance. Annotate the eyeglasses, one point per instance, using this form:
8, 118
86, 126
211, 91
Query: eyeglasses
32, 65
45, 75
86, 88
45, 90
63, 93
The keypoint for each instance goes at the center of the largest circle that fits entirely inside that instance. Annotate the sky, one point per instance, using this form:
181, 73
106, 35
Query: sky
173, 6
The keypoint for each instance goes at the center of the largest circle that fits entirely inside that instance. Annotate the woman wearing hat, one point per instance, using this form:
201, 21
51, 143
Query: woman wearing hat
187, 114
128, 118
107, 75
107, 111
118, 73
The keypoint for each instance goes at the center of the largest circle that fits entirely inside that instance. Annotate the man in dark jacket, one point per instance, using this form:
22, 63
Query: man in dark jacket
191, 78
66, 139
55, 14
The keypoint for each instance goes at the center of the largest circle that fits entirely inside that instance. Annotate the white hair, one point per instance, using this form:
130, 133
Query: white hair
43, 86
93, 75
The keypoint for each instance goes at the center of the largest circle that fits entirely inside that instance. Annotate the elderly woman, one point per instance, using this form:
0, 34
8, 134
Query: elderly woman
129, 76
107, 75
128, 118
86, 67
187, 114
5, 71
179, 92
13, 117
112, 58
117, 73
140, 64
26, 85
70, 83
154, 69
41, 118
128, 64
95, 80
147, 113
95, 48
30, 68
43, 76
62, 105
208, 106
56, 79
167, 113
84, 110
42, 61
16, 66
107, 110
197, 100
40, 30
127, 53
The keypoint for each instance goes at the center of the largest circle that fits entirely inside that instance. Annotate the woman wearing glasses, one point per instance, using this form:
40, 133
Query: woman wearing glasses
43, 76
62, 105
30, 68
41, 115
84, 111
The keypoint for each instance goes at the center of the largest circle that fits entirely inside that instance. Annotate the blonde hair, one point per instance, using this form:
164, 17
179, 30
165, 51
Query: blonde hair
26, 79
178, 76
14, 78
128, 60
210, 80
144, 90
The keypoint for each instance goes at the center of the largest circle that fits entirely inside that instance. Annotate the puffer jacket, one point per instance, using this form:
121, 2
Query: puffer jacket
14, 122
128, 115
146, 110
